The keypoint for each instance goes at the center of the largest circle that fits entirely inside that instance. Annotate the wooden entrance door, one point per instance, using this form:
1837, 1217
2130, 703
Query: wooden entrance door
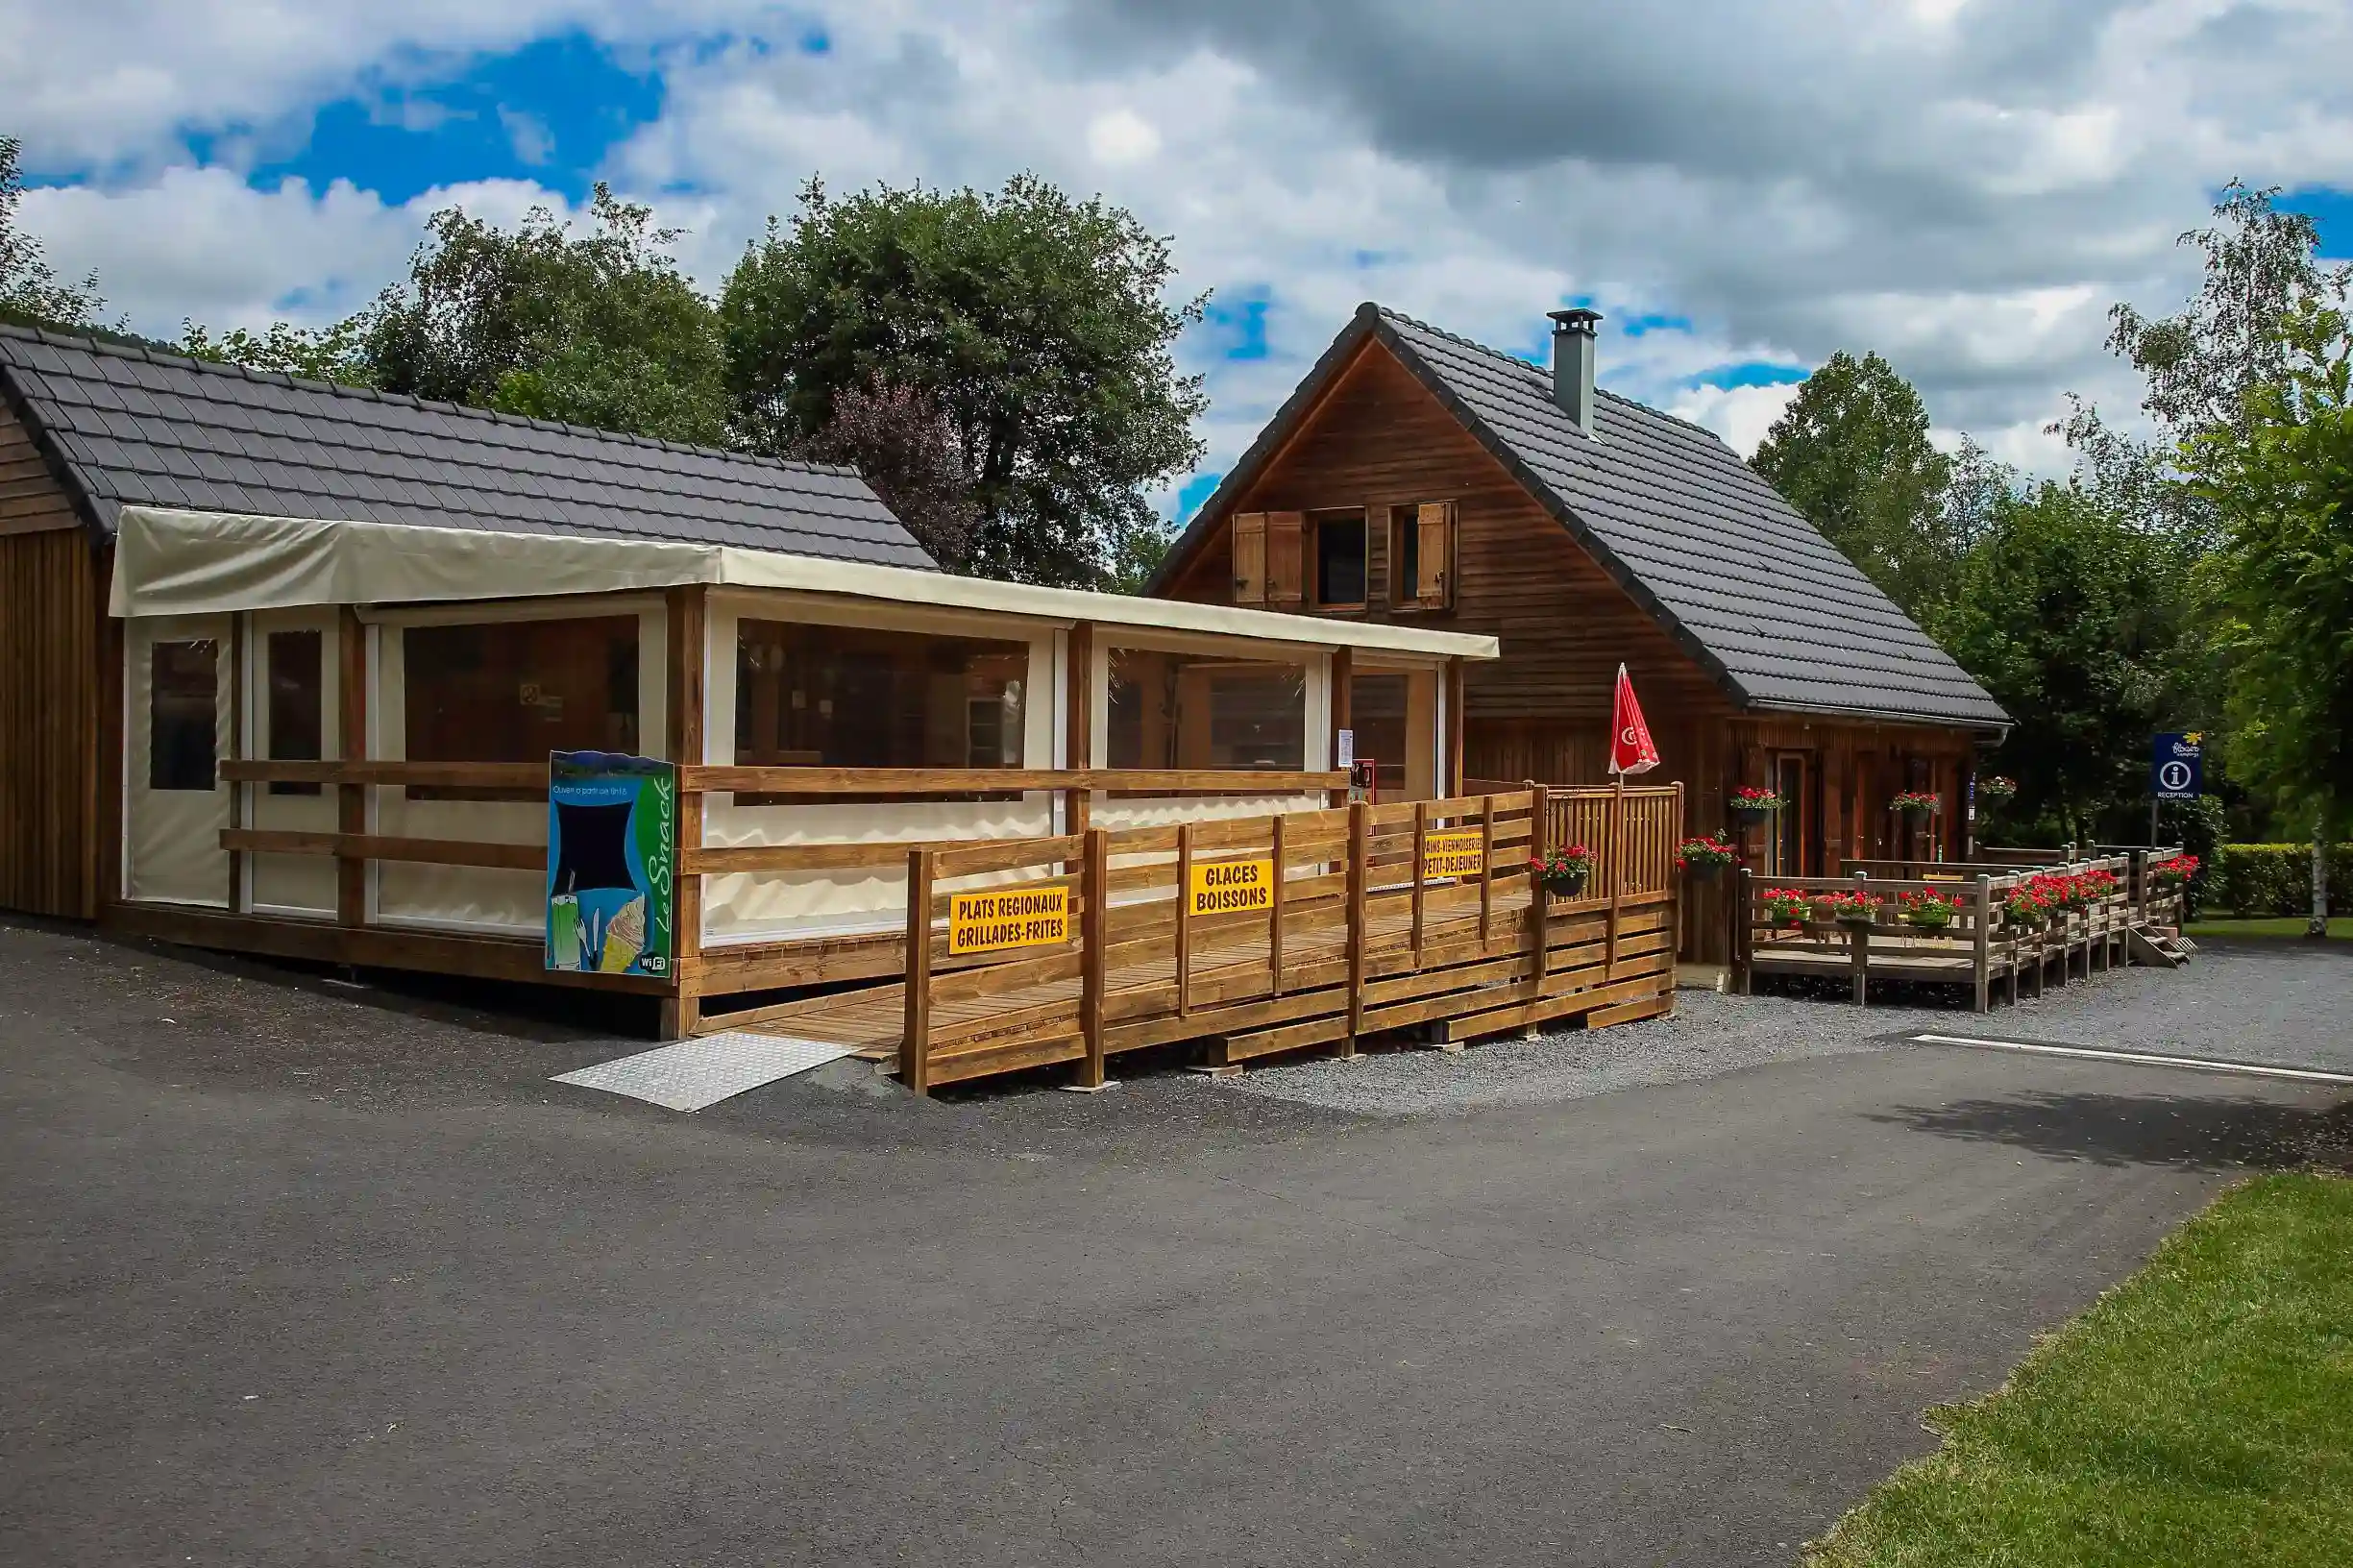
1793, 848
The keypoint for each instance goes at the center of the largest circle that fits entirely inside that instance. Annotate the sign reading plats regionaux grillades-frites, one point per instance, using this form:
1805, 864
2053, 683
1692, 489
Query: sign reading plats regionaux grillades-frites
1455, 853
1229, 886
983, 922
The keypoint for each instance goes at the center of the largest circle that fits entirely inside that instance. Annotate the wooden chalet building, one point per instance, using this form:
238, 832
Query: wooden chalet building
1420, 479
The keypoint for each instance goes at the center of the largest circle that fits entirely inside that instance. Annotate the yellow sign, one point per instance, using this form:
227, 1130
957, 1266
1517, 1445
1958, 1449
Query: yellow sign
983, 922
1228, 886
1455, 853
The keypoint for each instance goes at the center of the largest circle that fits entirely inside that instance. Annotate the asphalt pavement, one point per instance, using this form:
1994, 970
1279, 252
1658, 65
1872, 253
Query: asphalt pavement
296, 1273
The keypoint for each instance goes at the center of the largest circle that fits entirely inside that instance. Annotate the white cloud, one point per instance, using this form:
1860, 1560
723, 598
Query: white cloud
1121, 137
1962, 185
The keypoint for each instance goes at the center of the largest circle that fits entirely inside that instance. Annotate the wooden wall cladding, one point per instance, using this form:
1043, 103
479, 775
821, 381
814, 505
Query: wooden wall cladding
30, 498
1381, 441
49, 682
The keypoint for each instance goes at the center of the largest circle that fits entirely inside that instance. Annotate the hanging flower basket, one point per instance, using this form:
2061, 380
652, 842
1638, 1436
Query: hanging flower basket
1566, 872
1703, 858
1930, 911
1995, 788
1914, 804
1750, 804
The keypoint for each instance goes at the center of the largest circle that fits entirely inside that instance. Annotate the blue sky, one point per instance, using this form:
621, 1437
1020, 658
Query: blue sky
1768, 188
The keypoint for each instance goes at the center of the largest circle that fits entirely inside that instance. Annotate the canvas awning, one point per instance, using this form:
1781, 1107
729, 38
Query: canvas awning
172, 562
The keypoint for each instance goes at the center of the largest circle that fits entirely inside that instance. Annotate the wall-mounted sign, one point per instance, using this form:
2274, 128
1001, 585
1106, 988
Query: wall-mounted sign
1365, 780
611, 873
1226, 887
1000, 917
2177, 765
1344, 749
1453, 852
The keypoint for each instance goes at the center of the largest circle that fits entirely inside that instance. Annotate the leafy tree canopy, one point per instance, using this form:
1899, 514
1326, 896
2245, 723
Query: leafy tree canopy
2076, 620
2278, 471
1037, 325
600, 329
1852, 452
32, 294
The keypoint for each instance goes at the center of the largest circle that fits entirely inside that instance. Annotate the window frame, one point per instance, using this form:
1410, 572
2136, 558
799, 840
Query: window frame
1313, 556
1314, 663
1406, 528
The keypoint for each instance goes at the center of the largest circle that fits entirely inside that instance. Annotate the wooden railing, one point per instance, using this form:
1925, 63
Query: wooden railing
1980, 946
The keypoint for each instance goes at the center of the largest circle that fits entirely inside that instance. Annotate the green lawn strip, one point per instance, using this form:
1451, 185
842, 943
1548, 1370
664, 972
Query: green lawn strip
2339, 927
2199, 1413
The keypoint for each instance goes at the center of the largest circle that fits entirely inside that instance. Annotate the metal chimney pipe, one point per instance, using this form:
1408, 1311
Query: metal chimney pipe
1573, 335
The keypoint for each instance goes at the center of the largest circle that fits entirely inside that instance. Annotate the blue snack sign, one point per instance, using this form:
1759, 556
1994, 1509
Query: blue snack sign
612, 821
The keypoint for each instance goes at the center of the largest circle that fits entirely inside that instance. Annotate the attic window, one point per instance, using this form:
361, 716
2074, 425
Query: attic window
1339, 560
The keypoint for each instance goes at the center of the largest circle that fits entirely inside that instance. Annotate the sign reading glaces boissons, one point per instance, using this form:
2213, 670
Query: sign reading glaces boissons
2177, 765
1230, 887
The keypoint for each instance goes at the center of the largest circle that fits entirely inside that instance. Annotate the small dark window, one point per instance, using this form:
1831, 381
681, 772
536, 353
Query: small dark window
296, 711
1407, 543
1339, 560
183, 703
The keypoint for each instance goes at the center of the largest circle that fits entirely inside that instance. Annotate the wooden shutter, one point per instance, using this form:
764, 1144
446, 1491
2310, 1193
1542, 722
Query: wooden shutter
1249, 558
1285, 549
1435, 553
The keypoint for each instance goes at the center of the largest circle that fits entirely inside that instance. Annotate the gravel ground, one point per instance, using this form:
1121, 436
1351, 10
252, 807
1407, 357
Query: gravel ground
2279, 1003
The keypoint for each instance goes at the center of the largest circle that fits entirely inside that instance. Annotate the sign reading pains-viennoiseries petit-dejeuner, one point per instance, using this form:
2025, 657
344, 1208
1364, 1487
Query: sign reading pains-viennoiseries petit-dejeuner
1455, 853
984, 922
1230, 887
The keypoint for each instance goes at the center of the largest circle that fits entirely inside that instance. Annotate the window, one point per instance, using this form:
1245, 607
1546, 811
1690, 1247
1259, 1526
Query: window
841, 696
1194, 711
1422, 556
513, 691
1339, 560
182, 711
1790, 853
295, 669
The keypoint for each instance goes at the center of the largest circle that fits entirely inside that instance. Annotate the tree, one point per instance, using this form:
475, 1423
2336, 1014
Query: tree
326, 354
1852, 452
1037, 325
2202, 363
2279, 473
900, 442
2076, 622
601, 329
31, 292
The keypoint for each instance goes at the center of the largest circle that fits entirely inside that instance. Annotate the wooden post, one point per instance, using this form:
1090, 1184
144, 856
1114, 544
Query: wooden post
1614, 861
352, 727
1094, 898
1983, 955
1360, 818
1486, 870
1274, 917
682, 1009
237, 792
1078, 726
1184, 918
1675, 885
1743, 933
1421, 831
110, 782
1344, 688
1456, 700
914, 1044
1539, 896
1858, 939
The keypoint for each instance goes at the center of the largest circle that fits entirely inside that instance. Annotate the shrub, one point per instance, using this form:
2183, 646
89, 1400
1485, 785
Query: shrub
2273, 879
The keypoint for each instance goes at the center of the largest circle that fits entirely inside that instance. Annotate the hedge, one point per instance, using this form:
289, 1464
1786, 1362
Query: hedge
2260, 879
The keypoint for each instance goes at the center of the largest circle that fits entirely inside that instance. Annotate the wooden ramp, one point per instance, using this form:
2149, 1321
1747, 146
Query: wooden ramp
1359, 940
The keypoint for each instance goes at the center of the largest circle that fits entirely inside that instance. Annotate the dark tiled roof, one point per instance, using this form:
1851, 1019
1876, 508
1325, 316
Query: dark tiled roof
135, 428
1696, 535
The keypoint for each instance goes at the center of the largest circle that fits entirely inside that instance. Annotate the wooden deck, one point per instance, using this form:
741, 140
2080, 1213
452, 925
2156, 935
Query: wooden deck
1355, 959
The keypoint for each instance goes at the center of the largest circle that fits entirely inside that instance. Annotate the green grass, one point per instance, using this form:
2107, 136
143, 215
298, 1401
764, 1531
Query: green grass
2339, 927
2200, 1413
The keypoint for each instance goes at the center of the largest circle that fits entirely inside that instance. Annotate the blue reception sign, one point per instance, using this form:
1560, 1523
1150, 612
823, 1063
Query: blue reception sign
2177, 767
